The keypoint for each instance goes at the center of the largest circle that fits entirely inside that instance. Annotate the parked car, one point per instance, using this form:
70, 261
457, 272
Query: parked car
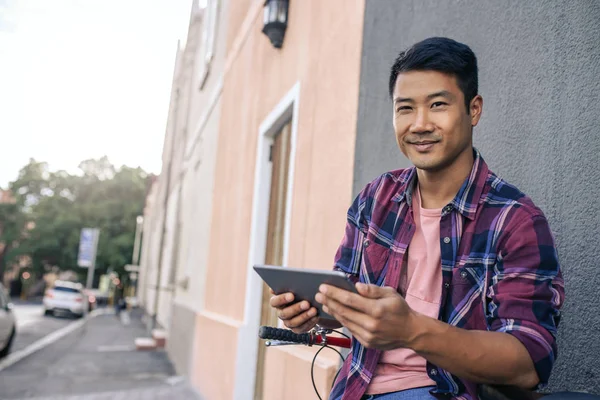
65, 297
7, 323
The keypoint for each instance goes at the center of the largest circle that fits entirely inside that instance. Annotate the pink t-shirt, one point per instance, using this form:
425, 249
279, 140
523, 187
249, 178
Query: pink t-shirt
421, 286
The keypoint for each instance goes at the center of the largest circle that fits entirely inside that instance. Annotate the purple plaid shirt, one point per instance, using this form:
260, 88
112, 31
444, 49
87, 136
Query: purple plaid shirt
499, 266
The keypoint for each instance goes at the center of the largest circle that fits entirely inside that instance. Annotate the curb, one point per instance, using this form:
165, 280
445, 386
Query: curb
50, 338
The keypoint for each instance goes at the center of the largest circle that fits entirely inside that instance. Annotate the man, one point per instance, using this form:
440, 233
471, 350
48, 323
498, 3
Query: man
459, 281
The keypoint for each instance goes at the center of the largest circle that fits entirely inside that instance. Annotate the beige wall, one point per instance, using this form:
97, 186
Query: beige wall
195, 165
198, 168
322, 52
147, 235
154, 215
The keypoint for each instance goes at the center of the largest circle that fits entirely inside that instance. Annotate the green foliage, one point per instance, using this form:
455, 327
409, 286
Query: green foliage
12, 222
57, 205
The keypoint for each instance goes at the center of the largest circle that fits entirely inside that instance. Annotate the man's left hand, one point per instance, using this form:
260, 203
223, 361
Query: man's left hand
378, 317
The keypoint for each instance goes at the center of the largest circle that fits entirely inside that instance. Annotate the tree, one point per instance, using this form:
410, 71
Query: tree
31, 183
12, 226
57, 205
24, 192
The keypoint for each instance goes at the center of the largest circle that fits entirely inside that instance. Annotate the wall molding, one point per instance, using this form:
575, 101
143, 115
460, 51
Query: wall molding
247, 345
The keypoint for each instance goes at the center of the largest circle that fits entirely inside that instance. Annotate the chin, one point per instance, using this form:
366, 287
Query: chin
429, 168
427, 164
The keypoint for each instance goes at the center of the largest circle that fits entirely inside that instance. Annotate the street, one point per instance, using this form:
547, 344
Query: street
95, 361
32, 325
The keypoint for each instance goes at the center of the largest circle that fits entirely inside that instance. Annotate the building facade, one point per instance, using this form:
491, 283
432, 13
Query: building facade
297, 104
177, 226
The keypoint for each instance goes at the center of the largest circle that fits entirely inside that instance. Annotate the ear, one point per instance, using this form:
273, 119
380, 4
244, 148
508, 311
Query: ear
475, 109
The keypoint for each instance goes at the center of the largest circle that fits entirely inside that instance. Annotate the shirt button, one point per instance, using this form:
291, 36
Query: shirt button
446, 285
448, 208
446, 240
433, 371
463, 274
367, 243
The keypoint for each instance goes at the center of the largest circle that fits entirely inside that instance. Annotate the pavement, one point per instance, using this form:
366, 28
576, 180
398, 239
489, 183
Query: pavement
95, 361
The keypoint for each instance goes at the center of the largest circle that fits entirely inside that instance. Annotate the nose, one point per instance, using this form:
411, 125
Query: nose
421, 123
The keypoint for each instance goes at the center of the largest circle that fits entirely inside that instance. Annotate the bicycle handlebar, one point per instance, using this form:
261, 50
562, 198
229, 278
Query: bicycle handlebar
285, 335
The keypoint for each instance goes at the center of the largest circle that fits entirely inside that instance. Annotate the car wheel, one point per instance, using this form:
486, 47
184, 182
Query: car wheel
4, 352
48, 312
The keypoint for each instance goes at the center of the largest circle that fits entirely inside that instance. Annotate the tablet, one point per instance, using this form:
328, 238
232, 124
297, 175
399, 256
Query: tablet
303, 283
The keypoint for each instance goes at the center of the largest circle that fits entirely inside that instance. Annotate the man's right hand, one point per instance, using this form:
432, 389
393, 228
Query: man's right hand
299, 317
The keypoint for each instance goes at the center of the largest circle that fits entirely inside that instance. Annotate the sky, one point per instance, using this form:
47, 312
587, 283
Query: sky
81, 79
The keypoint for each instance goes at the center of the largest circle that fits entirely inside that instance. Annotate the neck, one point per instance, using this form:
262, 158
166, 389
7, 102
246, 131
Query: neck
438, 188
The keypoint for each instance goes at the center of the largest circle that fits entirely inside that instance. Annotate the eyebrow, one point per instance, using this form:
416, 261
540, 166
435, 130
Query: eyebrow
441, 93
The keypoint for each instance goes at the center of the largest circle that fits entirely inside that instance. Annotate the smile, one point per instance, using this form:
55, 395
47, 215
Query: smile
423, 146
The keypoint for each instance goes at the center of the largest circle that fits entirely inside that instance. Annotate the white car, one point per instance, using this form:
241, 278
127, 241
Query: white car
7, 323
65, 297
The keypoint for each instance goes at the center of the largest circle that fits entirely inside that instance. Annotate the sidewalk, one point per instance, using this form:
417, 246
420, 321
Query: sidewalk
96, 362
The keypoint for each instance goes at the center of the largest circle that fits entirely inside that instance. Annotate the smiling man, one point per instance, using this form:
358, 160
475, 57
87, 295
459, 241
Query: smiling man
459, 281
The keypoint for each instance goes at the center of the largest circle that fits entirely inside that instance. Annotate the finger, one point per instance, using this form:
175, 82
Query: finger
344, 297
281, 300
372, 291
301, 319
343, 313
293, 310
307, 326
356, 322
359, 333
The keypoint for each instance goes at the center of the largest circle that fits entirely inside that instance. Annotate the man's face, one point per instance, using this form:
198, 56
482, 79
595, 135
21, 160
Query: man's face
431, 122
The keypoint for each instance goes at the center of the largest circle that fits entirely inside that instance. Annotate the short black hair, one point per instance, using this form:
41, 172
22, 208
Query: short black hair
443, 55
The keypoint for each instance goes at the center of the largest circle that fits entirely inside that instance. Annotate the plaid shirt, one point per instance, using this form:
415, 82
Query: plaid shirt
499, 266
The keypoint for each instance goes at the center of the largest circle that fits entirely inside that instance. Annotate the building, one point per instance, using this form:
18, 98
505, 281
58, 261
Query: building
177, 223
265, 151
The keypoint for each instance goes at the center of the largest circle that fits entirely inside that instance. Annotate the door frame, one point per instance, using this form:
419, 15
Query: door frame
247, 342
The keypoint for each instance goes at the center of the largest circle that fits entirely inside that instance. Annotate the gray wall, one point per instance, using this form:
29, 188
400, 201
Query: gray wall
180, 344
539, 64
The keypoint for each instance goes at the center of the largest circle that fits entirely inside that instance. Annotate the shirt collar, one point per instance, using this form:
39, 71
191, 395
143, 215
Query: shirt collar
468, 196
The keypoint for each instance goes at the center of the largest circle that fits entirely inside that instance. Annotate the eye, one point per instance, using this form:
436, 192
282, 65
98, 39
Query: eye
403, 108
438, 104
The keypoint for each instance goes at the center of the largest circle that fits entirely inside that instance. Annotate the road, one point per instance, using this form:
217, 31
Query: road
32, 325
95, 360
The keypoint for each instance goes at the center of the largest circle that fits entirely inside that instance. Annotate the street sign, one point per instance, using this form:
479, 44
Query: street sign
88, 243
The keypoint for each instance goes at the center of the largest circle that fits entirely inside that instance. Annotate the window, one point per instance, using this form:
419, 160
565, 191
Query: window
209, 33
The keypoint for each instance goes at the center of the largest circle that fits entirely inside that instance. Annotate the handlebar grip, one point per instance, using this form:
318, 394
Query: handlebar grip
286, 335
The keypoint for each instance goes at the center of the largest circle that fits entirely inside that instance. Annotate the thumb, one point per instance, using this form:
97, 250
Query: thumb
371, 291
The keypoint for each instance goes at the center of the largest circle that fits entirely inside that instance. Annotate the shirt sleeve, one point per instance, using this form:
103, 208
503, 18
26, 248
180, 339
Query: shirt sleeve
349, 253
527, 290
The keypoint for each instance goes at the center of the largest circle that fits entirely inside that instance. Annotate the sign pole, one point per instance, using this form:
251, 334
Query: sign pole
88, 245
92, 266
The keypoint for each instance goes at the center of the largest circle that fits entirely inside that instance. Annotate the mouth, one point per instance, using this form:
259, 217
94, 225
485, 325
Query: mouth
423, 146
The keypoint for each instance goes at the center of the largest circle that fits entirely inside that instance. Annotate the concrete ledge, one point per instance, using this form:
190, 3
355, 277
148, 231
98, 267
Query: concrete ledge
160, 337
145, 344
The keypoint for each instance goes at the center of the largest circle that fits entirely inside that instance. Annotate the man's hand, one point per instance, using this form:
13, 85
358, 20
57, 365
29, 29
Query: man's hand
299, 317
378, 317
